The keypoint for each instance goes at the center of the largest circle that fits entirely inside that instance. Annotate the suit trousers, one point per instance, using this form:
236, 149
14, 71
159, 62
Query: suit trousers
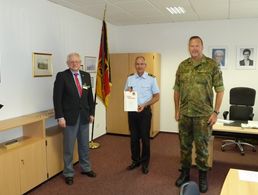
81, 132
139, 125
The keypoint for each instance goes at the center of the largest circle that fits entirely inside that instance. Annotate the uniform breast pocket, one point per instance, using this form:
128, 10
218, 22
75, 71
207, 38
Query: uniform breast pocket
146, 88
202, 78
184, 78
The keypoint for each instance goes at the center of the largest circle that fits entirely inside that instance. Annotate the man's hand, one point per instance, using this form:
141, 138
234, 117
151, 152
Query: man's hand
91, 119
140, 108
213, 119
62, 122
177, 116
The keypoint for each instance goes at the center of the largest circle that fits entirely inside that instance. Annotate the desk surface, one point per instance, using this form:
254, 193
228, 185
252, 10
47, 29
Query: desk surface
234, 186
233, 129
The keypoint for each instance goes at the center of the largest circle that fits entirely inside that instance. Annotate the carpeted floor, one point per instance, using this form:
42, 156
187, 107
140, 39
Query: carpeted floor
112, 158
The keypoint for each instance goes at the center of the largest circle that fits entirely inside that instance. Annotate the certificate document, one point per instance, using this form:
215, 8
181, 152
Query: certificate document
130, 101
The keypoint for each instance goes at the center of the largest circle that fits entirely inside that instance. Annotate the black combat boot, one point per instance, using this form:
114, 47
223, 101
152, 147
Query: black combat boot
203, 183
184, 177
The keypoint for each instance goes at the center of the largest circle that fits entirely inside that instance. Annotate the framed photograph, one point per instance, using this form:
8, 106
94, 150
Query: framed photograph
246, 57
219, 54
90, 64
42, 64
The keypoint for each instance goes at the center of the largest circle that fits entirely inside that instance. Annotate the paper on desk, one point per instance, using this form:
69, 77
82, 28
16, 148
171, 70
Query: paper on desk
223, 121
250, 176
250, 124
130, 101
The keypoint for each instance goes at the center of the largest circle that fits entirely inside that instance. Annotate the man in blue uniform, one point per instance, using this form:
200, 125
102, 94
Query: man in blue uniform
146, 86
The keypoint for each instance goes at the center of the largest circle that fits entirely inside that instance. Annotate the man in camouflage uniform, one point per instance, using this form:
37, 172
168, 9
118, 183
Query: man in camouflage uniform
193, 97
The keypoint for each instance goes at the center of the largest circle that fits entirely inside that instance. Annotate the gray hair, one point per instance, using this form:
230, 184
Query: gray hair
69, 56
218, 51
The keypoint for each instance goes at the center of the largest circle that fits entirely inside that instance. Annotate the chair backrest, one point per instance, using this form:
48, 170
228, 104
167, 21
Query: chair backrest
189, 188
241, 99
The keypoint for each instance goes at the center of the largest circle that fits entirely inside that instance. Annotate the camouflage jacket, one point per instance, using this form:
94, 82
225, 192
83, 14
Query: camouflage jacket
195, 85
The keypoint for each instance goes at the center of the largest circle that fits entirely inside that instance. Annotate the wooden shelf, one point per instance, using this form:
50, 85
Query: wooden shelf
23, 141
24, 120
25, 161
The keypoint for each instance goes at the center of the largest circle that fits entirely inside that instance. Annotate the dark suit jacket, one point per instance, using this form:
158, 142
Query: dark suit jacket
68, 103
242, 62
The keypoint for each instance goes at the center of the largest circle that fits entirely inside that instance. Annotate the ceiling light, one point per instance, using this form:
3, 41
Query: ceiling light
176, 10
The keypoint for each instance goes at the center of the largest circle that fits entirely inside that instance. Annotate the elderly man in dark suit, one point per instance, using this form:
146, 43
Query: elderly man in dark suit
74, 110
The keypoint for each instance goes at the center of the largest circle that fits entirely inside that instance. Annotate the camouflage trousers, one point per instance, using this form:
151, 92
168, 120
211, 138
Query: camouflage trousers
194, 129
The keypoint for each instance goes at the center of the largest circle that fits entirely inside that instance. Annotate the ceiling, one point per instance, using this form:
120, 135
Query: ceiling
132, 12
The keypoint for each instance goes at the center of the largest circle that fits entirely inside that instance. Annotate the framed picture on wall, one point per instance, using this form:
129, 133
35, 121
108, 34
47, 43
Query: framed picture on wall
219, 54
42, 64
90, 64
246, 57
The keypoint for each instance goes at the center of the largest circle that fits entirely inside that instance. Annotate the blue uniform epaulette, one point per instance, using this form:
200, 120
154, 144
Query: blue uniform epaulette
149, 74
131, 74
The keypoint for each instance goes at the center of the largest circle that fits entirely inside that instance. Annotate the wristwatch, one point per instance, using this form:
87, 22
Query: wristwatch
216, 112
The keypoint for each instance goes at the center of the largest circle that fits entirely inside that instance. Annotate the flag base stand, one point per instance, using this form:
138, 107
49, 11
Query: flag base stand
94, 145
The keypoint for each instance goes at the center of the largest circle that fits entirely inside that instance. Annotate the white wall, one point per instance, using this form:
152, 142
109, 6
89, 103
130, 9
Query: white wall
40, 26
171, 41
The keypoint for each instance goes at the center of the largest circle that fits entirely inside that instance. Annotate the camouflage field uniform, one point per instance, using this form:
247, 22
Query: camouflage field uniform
195, 83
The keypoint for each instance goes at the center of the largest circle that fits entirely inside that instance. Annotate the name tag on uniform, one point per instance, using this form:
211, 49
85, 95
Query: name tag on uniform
130, 101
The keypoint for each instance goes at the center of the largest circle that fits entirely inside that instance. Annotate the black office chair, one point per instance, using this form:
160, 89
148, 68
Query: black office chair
241, 101
189, 188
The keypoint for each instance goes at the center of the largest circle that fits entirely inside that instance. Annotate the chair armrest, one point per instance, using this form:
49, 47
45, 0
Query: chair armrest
225, 114
251, 116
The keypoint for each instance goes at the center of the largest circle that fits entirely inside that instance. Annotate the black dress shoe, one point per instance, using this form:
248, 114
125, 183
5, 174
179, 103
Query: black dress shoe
69, 180
89, 173
145, 170
133, 165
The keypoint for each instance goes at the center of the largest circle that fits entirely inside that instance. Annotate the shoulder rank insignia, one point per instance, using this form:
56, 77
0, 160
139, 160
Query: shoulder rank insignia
151, 75
131, 74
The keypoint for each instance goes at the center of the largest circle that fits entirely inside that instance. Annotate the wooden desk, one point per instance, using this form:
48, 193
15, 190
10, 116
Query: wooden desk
233, 129
234, 186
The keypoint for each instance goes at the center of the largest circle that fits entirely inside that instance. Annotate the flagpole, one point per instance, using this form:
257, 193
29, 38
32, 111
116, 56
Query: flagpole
92, 144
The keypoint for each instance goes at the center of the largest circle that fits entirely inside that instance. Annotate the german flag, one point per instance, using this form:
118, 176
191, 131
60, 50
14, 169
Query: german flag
103, 81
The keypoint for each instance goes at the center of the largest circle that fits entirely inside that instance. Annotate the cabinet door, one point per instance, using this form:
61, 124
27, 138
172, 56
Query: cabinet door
33, 170
117, 121
9, 174
55, 163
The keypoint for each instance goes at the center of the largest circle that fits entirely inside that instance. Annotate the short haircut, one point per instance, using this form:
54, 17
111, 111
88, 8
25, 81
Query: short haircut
247, 50
195, 37
70, 55
139, 57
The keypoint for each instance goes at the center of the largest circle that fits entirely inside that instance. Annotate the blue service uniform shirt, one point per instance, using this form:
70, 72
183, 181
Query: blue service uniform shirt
144, 85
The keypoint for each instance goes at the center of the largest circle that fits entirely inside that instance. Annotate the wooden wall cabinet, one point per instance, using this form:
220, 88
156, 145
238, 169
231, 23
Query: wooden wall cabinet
9, 173
37, 156
24, 165
122, 64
